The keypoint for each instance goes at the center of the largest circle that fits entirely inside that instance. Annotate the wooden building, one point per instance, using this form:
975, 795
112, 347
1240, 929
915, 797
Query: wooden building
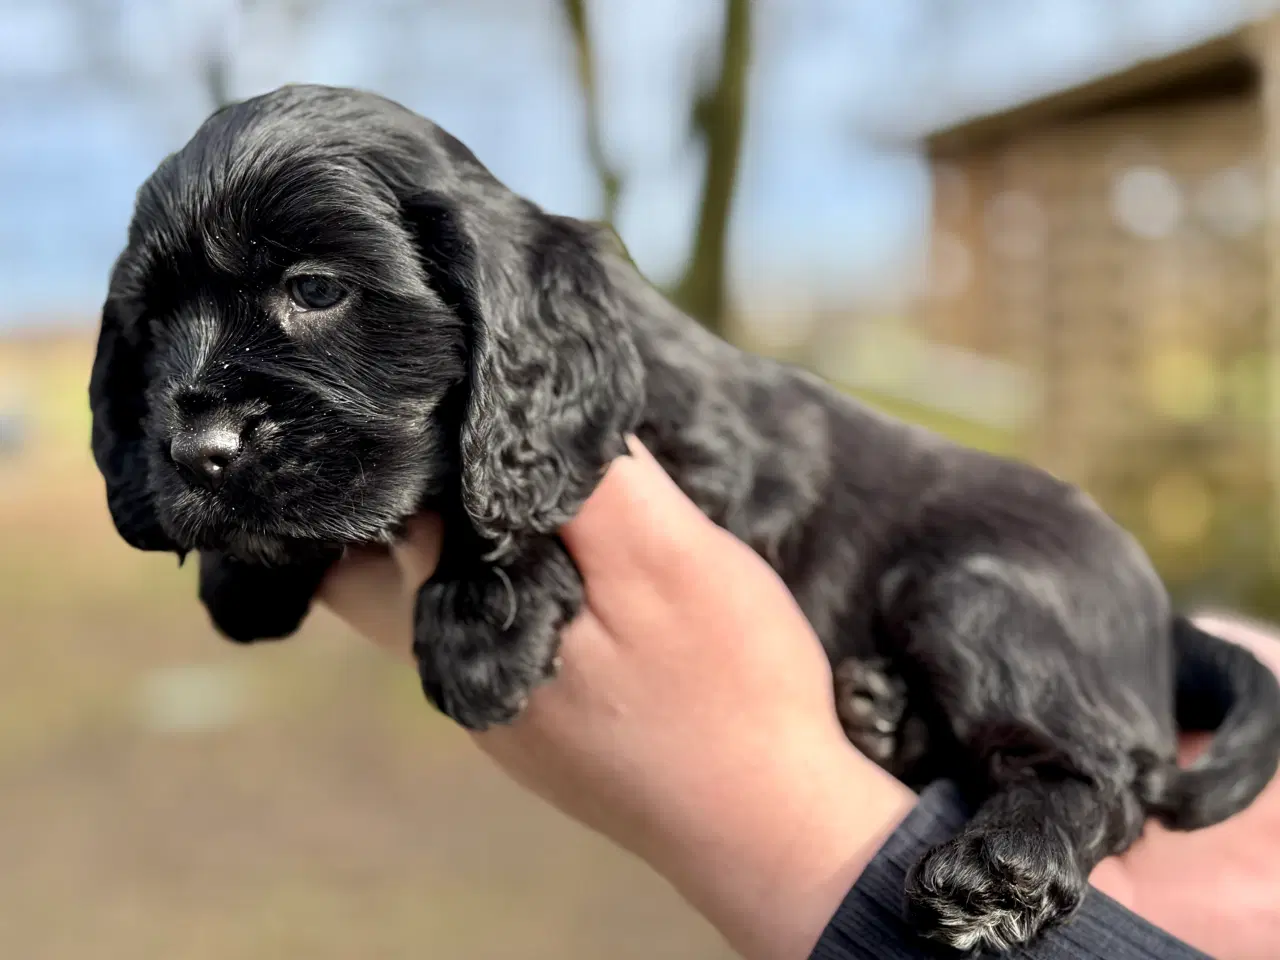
1114, 240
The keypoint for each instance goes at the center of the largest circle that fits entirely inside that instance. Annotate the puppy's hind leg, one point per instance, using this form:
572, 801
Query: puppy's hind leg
1021, 865
1048, 719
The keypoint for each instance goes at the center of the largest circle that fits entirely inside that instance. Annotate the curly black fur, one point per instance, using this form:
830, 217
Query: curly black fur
988, 622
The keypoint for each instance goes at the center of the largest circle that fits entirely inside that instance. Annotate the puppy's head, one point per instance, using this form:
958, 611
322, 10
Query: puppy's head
329, 312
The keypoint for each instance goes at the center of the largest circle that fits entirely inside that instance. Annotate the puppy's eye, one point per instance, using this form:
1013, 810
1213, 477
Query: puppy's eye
315, 293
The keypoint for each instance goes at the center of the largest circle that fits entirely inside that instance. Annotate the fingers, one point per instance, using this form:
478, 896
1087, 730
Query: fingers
637, 517
373, 589
418, 553
365, 591
363, 578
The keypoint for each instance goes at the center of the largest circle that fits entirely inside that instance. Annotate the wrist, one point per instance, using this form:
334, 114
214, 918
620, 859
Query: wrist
769, 864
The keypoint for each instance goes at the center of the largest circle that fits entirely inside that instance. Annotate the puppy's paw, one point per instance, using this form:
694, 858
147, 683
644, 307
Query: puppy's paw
871, 704
994, 889
483, 643
248, 603
479, 675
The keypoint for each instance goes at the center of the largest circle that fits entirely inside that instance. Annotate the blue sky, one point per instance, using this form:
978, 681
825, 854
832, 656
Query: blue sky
89, 105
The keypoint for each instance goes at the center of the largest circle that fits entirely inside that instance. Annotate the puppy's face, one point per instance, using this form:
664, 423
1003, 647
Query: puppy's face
297, 363
328, 311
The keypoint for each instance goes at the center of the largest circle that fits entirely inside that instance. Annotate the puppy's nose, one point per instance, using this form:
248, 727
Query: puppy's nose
207, 454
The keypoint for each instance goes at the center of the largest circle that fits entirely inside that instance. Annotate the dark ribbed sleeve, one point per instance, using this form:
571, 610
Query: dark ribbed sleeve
869, 926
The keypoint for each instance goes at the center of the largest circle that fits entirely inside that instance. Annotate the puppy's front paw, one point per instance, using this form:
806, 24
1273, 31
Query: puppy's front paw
248, 603
994, 889
482, 644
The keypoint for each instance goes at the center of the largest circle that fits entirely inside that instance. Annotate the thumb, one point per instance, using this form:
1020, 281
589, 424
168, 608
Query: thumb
636, 518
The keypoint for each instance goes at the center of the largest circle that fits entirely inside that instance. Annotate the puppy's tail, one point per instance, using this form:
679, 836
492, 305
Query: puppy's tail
1220, 687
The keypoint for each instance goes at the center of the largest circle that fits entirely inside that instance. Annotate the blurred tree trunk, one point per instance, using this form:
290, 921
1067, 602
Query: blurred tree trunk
215, 64
718, 118
216, 80
610, 180
218, 62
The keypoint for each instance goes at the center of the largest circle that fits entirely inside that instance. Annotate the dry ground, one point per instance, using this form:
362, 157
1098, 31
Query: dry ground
329, 814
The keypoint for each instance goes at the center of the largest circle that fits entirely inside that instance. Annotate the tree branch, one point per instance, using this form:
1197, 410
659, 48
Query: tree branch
718, 116
610, 180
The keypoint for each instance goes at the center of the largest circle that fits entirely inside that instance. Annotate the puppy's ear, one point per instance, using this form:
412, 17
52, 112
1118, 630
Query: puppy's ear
117, 397
555, 378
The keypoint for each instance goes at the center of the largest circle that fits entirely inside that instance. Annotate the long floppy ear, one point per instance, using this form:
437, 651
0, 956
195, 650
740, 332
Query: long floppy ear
117, 397
556, 381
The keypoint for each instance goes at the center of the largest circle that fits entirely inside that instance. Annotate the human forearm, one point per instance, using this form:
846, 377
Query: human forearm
768, 857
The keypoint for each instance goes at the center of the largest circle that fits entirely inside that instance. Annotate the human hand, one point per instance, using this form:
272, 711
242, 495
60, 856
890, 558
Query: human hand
1218, 889
692, 722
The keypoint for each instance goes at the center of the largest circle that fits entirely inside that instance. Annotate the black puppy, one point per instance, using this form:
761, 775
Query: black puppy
329, 314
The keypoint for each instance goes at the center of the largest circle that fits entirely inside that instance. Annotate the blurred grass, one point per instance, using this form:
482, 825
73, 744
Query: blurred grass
334, 816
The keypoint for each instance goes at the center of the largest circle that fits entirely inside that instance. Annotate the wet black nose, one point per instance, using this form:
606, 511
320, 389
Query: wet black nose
208, 454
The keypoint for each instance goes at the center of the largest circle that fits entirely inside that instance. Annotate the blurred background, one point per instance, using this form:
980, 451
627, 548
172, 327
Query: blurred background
1043, 227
